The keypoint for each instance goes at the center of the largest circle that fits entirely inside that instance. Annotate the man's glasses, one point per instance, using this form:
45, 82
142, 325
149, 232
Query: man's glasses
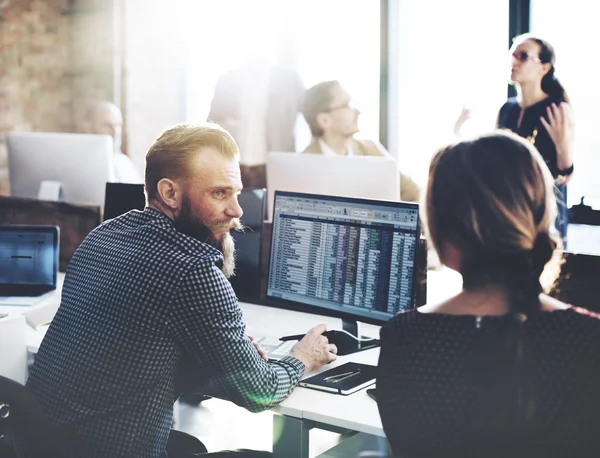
524, 57
348, 104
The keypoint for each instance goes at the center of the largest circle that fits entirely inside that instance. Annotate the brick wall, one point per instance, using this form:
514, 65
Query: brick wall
55, 56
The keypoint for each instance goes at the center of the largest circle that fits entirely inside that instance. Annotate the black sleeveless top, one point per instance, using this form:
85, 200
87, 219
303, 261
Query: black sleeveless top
531, 127
432, 400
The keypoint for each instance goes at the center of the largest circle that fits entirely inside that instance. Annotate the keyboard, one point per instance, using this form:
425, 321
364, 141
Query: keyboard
275, 348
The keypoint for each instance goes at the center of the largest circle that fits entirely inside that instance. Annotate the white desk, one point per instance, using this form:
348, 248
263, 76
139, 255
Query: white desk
44, 306
304, 409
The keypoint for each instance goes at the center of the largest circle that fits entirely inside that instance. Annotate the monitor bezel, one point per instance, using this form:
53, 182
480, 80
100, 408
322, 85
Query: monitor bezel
315, 309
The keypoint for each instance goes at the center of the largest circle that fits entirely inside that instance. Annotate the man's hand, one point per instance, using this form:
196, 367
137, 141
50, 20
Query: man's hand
260, 349
314, 350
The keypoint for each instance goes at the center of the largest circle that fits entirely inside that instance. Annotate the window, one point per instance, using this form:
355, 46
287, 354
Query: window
321, 39
448, 54
573, 29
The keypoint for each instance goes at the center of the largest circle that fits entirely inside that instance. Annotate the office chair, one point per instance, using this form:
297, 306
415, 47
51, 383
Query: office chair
578, 281
25, 429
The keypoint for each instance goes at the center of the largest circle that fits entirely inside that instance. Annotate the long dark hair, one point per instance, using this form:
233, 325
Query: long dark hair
492, 199
550, 83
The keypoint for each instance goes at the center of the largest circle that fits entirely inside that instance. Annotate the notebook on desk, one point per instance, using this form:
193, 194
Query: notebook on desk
345, 379
28, 263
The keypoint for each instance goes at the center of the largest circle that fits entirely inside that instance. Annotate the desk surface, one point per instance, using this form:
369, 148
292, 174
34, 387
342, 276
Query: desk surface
357, 411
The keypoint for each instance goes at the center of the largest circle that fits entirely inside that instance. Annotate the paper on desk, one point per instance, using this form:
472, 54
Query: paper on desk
41, 317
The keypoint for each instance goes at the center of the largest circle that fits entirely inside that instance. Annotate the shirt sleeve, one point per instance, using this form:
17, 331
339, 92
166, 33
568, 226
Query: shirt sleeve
206, 322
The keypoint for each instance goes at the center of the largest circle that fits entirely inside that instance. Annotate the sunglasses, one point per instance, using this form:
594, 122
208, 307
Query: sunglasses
524, 57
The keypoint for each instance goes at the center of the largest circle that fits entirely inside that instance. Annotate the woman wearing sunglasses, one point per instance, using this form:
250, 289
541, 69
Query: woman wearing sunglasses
541, 113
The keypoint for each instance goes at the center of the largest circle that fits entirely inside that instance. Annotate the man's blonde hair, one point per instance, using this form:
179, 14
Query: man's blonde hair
172, 153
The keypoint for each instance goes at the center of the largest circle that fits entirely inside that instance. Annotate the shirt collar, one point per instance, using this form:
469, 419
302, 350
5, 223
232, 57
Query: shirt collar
327, 151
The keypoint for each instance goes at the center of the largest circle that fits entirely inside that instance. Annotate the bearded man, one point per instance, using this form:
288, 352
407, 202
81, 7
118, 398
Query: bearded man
147, 312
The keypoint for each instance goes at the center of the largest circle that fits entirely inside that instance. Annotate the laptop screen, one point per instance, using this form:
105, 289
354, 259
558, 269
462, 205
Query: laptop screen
28, 257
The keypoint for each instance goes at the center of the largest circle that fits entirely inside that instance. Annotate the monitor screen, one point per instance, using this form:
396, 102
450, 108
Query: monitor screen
122, 197
80, 163
370, 177
28, 257
353, 257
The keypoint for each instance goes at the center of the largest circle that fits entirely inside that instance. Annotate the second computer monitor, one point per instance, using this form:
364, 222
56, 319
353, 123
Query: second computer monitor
122, 197
80, 163
353, 258
369, 177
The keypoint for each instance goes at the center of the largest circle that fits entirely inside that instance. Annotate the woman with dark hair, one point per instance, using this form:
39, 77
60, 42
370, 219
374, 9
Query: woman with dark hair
541, 113
500, 369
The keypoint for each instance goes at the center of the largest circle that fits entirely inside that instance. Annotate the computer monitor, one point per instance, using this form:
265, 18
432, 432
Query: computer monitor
368, 177
122, 197
346, 257
56, 166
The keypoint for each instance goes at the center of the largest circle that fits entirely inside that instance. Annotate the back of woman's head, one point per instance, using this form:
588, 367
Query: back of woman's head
491, 199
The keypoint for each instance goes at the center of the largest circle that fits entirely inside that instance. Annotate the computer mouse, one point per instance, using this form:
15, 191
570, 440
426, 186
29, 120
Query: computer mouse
332, 333
372, 392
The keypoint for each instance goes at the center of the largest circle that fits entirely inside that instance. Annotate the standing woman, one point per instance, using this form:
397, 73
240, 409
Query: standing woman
541, 113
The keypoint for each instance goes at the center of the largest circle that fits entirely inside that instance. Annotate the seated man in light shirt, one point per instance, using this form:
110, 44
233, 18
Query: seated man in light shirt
333, 121
106, 118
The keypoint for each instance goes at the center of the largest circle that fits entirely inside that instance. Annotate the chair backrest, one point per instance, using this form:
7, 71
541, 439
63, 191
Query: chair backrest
578, 281
23, 419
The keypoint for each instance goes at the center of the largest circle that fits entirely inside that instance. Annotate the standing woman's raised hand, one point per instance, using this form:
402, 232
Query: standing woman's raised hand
560, 128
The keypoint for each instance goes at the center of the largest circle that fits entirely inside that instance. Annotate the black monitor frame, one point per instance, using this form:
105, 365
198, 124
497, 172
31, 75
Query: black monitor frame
350, 321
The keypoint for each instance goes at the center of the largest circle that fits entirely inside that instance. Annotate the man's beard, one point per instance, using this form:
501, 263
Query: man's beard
190, 224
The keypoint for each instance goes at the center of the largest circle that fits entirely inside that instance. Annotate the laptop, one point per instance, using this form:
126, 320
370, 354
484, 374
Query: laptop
28, 260
366, 177
119, 198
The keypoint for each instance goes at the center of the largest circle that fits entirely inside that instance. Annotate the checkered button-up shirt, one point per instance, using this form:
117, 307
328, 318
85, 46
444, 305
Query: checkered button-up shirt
143, 308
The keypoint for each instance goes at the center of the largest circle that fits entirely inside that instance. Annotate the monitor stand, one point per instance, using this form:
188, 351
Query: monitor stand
346, 344
50, 190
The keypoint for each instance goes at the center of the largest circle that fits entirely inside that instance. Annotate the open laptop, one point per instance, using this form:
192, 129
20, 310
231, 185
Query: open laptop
365, 177
28, 261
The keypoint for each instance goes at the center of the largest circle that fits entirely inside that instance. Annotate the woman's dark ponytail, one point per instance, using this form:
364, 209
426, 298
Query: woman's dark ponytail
550, 83
552, 86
